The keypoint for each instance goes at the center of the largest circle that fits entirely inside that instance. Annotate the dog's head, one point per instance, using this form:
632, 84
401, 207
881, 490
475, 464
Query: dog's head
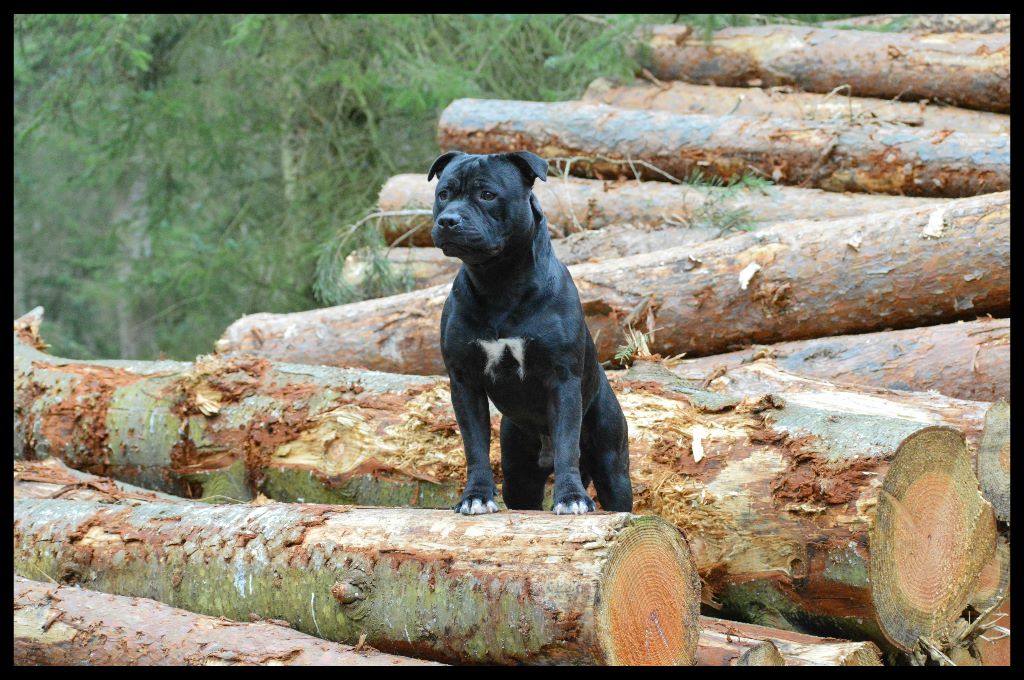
483, 204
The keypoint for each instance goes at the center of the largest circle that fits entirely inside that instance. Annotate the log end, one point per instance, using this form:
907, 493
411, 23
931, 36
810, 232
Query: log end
761, 654
994, 459
994, 580
649, 601
933, 533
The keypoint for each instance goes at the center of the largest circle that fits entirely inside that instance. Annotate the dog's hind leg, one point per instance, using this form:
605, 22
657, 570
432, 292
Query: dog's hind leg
604, 452
523, 479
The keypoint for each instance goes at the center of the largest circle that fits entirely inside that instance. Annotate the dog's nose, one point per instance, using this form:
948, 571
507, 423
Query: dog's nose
448, 222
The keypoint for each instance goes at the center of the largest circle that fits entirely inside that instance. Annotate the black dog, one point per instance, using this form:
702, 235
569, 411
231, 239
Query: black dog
513, 330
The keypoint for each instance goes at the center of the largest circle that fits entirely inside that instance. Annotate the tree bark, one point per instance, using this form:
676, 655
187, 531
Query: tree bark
724, 643
994, 458
929, 23
972, 71
899, 269
573, 205
60, 626
606, 141
687, 98
965, 360
502, 588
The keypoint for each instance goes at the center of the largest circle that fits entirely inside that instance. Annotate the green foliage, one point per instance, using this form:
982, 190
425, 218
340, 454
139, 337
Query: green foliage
174, 172
716, 211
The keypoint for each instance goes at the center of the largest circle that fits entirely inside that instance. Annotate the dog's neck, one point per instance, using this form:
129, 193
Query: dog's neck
514, 274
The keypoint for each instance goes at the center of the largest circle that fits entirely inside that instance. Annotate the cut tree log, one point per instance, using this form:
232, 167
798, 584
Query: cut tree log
725, 643
502, 588
928, 23
574, 205
779, 494
606, 141
791, 281
968, 70
60, 626
965, 360
781, 102
994, 459
231, 428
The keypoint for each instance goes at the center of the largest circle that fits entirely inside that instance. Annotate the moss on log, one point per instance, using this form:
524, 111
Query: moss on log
964, 360
504, 588
782, 102
791, 281
972, 71
577, 206
731, 643
607, 141
61, 626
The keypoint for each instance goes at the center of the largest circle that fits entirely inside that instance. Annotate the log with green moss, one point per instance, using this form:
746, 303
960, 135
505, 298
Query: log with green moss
610, 588
965, 360
596, 140
56, 625
782, 102
791, 281
972, 71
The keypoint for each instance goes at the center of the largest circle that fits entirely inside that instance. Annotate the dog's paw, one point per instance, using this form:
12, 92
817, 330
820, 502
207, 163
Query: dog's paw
574, 505
475, 505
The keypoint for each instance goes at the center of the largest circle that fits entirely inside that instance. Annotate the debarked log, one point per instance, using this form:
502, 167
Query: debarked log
572, 205
610, 588
608, 141
731, 643
56, 625
968, 70
782, 102
928, 23
790, 281
965, 360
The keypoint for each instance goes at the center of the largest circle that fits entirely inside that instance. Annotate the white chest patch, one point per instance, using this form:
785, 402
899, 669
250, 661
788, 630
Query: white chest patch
495, 350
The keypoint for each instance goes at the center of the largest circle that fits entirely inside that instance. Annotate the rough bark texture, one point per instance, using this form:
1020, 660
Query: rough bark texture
724, 643
994, 458
899, 269
965, 360
607, 141
502, 588
574, 205
972, 71
783, 102
231, 428
929, 23
65, 626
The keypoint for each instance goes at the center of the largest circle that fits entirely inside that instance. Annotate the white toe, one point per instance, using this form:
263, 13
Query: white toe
492, 506
477, 508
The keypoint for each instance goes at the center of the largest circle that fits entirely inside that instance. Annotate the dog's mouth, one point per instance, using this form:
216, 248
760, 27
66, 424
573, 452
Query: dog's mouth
468, 255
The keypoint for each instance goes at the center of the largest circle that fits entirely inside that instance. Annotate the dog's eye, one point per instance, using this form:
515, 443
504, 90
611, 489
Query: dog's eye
487, 195
443, 194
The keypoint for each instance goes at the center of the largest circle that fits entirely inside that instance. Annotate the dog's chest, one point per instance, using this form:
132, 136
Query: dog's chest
504, 358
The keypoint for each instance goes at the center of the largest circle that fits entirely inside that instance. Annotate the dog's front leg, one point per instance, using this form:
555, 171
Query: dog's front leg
470, 405
565, 415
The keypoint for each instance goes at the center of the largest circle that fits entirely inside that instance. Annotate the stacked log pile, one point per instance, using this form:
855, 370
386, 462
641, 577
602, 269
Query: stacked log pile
818, 415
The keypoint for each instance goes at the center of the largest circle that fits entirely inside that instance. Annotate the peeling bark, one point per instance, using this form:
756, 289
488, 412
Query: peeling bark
782, 102
573, 205
965, 360
60, 626
972, 71
929, 23
607, 141
724, 643
893, 270
502, 588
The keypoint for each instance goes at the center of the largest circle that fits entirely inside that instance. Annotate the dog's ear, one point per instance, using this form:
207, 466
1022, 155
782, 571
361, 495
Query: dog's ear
538, 214
438, 166
531, 165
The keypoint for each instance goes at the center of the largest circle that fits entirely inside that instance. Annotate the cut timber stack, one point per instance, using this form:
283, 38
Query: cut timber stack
791, 281
609, 588
607, 141
972, 71
782, 102
68, 626
572, 205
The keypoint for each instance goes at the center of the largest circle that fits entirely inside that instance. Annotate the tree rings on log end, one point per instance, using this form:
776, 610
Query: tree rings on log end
933, 534
994, 580
649, 602
994, 459
761, 654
